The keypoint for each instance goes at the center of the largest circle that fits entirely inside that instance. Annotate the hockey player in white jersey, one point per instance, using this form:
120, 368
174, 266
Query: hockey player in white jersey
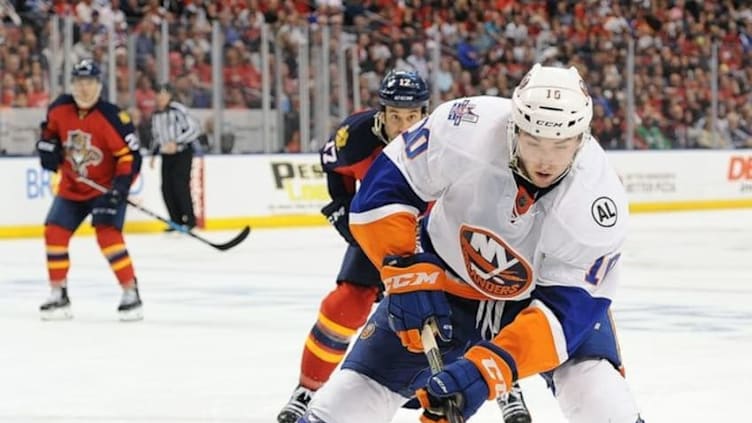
518, 261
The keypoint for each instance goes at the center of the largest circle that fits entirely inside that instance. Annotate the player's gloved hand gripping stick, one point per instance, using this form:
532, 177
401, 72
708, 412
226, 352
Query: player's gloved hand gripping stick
448, 410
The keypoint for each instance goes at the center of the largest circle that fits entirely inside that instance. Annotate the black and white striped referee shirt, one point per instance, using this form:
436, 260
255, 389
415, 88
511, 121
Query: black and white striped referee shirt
174, 124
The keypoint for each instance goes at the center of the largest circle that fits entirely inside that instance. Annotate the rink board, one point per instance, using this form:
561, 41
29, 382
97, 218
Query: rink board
285, 190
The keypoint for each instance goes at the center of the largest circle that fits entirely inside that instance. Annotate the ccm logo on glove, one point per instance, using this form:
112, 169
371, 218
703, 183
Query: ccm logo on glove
411, 281
337, 214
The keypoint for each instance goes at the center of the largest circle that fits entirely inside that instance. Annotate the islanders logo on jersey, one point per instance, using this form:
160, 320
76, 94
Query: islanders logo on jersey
495, 268
80, 152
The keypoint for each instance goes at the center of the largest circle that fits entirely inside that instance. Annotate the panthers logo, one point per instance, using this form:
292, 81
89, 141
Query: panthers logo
340, 138
81, 153
495, 269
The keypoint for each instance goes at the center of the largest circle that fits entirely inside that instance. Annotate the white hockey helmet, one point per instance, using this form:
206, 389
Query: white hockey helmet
551, 102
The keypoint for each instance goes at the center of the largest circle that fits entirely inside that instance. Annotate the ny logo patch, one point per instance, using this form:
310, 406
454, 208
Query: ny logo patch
494, 267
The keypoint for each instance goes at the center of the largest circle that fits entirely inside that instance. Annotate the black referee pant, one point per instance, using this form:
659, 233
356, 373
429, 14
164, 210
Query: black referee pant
176, 186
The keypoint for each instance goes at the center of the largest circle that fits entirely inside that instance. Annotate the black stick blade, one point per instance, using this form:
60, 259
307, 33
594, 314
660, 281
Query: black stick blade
233, 242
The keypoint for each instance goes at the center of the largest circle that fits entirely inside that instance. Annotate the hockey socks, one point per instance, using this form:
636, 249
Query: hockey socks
56, 239
341, 314
113, 248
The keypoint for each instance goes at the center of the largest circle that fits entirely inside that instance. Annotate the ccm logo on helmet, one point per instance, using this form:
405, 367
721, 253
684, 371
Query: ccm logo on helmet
549, 124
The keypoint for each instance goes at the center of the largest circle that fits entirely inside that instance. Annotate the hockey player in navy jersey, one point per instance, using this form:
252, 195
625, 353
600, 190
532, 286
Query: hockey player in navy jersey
517, 267
358, 140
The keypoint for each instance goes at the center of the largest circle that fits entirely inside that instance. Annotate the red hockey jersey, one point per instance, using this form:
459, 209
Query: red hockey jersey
99, 144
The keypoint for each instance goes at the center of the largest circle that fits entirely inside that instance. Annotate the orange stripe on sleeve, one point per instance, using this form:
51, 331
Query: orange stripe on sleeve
124, 165
390, 235
122, 151
530, 340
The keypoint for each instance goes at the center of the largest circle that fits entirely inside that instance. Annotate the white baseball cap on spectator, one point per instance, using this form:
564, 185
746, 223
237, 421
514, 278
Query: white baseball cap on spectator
330, 3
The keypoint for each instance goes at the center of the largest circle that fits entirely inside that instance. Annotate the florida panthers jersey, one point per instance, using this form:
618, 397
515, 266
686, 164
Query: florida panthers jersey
561, 249
350, 151
99, 144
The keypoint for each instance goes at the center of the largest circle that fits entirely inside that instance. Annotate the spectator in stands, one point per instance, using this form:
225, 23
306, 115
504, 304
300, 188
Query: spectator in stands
495, 44
417, 60
84, 48
39, 95
21, 99
740, 134
146, 45
145, 96
8, 96
649, 132
706, 137
444, 78
84, 10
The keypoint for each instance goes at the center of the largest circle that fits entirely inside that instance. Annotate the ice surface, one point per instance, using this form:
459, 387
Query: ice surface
223, 332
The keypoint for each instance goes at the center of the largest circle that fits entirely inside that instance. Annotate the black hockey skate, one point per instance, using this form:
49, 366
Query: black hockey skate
297, 405
57, 306
513, 406
130, 305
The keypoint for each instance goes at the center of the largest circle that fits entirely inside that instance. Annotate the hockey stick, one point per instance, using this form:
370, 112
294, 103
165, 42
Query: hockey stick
180, 228
433, 354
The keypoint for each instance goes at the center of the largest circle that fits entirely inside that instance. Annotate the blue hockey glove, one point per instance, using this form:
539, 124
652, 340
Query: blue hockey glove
415, 294
485, 372
119, 192
337, 213
459, 380
50, 154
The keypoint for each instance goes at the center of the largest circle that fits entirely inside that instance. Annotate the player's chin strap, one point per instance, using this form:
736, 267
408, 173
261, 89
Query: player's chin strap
378, 127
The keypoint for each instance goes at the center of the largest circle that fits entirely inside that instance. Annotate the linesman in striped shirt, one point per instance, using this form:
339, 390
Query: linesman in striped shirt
174, 132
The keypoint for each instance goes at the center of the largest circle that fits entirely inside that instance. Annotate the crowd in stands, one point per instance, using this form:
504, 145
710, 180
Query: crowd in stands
486, 46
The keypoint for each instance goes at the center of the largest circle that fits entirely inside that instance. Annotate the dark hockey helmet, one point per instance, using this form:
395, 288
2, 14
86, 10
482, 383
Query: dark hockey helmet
403, 89
86, 68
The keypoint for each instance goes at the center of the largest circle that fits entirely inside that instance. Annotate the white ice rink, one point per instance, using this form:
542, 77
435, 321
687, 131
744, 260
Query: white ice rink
223, 332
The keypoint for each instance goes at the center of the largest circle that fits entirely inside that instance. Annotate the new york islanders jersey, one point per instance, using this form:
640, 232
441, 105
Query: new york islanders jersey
561, 251
349, 153
99, 144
